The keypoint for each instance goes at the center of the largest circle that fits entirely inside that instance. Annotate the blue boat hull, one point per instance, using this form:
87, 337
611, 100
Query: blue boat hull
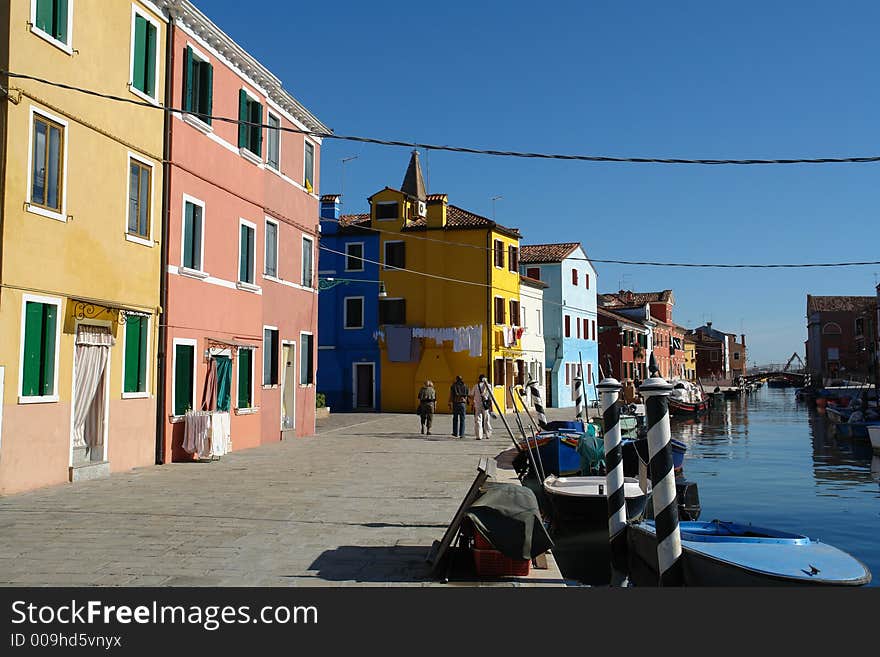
558, 452
732, 554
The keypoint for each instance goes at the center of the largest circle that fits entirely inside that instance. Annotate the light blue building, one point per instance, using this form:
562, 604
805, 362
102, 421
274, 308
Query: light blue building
348, 308
570, 317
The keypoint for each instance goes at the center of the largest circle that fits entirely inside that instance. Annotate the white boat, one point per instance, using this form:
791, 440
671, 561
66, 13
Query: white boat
874, 435
584, 499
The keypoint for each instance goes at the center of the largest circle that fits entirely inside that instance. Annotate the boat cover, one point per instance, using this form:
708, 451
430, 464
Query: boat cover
509, 517
591, 449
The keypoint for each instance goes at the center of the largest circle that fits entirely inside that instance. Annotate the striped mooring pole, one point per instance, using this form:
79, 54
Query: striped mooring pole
578, 396
609, 389
656, 391
536, 400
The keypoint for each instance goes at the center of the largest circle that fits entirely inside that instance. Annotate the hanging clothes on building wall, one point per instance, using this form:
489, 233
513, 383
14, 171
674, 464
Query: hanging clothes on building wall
463, 338
221, 439
398, 341
196, 435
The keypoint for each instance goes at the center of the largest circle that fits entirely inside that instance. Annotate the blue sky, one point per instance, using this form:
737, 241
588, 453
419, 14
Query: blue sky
694, 79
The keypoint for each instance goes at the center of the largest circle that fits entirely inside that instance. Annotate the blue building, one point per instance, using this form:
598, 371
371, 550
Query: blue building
570, 317
348, 306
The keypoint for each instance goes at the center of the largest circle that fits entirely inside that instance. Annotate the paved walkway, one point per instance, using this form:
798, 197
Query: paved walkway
358, 504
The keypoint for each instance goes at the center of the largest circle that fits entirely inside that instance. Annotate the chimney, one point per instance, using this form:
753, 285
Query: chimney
743, 336
437, 210
708, 325
330, 214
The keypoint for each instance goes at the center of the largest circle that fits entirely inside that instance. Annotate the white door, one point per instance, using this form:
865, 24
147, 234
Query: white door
288, 386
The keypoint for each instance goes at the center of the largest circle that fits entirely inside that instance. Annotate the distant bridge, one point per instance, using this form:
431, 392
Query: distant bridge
796, 379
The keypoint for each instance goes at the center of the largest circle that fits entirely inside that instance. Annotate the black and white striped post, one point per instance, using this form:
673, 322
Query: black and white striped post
536, 400
656, 391
609, 390
578, 396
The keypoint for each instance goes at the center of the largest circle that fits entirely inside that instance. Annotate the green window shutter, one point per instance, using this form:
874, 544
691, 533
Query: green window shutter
33, 339
242, 254
245, 359
188, 237
60, 31
50, 313
132, 353
242, 116
150, 53
138, 74
183, 378
207, 78
188, 79
45, 16
142, 356
257, 131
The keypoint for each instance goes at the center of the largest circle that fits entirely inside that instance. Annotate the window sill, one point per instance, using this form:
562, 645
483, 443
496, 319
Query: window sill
48, 399
353, 328
306, 385
43, 212
250, 156
192, 273
197, 123
247, 411
176, 419
135, 395
275, 170
248, 287
138, 240
55, 42
269, 386
354, 270
274, 279
140, 94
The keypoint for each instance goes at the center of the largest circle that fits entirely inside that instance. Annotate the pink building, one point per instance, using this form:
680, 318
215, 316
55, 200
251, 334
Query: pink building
241, 301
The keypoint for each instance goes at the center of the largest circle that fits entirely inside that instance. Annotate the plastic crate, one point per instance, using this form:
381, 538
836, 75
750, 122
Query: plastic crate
481, 542
491, 563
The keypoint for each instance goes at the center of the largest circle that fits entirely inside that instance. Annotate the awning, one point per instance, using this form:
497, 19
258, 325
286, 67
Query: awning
230, 343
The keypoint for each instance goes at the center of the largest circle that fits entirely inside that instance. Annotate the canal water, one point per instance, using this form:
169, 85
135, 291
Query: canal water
772, 461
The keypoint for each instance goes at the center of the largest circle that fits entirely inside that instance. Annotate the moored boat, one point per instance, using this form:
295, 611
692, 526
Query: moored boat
720, 553
583, 501
688, 409
874, 435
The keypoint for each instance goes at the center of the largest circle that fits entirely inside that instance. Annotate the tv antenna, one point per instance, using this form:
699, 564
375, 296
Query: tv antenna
495, 198
342, 185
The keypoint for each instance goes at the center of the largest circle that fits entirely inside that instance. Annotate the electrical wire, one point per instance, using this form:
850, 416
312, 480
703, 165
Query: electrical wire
460, 149
621, 262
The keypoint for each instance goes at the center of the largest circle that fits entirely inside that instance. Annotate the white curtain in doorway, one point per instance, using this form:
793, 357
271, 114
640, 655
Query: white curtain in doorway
92, 352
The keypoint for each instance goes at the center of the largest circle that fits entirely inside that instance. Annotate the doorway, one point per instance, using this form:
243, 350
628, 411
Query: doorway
548, 387
364, 386
288, 386
91, 363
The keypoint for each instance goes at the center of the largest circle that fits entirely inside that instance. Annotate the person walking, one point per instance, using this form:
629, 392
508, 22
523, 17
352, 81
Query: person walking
458, 397
427, 400
482, 408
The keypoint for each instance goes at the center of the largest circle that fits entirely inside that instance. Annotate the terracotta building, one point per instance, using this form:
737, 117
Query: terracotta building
840, 330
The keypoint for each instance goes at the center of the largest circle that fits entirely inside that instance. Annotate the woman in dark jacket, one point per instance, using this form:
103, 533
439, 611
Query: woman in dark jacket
458, 397
427, 399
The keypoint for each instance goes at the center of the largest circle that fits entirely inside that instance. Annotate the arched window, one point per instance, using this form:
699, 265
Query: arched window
831, 328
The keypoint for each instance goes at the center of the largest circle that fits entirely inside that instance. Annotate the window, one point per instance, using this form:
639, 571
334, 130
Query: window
512, 258
193, 215
198, 85
587, 281
47, 170
568, 326
271, 256
534, 272
395, 255
499, 310
831, 328
860, 326
833, 353
250, 111
392, 311
386, 210
567, 374
246, 255
539, 326
51, 17
574, 276
523, 314
499, 254
139, 193
714, 355
38, 375
589, 373
144, 56
135, 365
735, 355
306, 359
354, 312
514, 312
184, 376
245, 378
308, 259
309, 173
270, 356
594, 329
498, 372
273, 154
354, 254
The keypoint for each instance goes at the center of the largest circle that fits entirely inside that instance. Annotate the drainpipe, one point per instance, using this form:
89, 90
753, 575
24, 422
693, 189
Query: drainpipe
490, 301
161, 355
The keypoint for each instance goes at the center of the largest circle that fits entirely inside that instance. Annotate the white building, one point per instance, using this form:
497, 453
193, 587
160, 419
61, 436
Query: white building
531, 295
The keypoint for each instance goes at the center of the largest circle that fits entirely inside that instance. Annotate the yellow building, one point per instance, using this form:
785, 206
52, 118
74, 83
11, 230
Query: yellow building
424, 233
690, 358
81, 253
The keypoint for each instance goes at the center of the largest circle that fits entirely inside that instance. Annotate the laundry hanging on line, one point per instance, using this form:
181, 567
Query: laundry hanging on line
463, 338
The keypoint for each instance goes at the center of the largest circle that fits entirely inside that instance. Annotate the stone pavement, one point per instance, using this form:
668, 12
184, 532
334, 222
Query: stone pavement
358, 504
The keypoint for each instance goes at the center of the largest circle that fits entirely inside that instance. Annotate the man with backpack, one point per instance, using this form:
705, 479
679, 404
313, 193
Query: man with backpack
458, 397
482, 408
